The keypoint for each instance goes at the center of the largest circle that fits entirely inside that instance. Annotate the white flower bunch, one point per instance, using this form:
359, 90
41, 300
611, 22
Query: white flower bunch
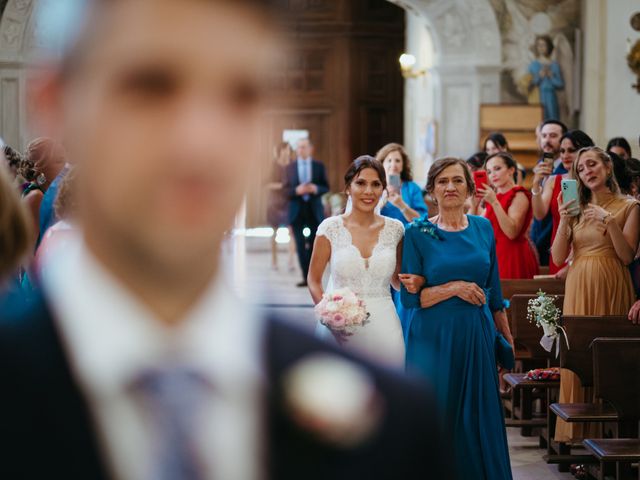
543, 311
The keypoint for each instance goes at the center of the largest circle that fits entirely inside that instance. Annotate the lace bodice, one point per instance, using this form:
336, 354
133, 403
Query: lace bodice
367, 277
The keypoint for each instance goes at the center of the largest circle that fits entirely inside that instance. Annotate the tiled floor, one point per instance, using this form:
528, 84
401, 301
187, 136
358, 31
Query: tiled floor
276, 288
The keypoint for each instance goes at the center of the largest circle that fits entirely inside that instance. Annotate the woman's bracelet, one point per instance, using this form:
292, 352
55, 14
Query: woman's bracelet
607, 218
537, 192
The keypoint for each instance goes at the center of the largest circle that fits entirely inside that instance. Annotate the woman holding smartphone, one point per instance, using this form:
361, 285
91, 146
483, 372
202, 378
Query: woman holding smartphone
602, 226
508, 208
545, 192
405, 201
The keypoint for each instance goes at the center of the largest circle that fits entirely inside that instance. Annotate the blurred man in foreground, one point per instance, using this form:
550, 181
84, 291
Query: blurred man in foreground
137, 362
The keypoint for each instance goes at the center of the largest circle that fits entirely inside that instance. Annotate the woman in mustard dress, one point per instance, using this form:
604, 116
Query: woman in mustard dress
604, 238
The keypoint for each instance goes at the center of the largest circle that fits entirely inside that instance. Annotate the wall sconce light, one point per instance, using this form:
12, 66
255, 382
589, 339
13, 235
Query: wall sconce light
407, 62
633, 60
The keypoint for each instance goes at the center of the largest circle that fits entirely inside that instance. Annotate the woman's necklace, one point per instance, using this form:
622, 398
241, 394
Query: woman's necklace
448, 228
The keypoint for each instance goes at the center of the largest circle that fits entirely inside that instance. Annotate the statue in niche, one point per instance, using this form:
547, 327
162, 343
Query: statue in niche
539, 39
546, 78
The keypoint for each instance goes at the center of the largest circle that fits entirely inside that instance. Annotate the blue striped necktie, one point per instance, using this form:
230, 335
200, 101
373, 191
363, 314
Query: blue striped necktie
173, 397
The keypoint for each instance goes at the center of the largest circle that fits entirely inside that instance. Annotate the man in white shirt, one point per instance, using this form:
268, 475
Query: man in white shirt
136, 361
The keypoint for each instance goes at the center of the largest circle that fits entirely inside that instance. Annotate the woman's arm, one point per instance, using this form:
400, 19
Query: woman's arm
625, 240
511, 222
396, 199
562, 243
319, 259
395, 280
541, 196
33, 201
502, 325
467, 291
475, 205
411, 264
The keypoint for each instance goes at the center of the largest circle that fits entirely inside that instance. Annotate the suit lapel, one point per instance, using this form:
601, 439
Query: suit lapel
63, 422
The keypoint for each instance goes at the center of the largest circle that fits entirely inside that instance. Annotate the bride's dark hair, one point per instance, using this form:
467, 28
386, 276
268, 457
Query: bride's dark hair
359, 164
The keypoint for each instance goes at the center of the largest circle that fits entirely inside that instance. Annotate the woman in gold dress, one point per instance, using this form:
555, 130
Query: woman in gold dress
604, 237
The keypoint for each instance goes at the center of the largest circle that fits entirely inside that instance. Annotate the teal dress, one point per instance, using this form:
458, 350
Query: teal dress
411, 195
452, 343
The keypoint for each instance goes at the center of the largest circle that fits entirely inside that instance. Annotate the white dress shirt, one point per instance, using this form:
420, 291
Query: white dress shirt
111, 338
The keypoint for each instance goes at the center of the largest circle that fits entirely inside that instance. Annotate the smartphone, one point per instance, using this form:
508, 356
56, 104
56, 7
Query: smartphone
570, 192
547, 158
394, 181
480, 179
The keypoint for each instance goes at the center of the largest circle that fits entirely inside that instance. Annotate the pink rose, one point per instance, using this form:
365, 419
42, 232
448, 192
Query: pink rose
338, 320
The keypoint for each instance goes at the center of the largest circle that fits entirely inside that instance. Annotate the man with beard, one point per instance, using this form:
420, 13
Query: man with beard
551, 132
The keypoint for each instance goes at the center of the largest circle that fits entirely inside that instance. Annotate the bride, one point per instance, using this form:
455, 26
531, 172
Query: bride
364, 252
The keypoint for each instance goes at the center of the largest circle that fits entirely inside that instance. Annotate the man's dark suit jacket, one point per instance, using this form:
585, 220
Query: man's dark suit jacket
46, 430
292, 180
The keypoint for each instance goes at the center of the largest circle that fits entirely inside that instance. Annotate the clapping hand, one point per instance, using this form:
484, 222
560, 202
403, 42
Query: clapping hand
413, 283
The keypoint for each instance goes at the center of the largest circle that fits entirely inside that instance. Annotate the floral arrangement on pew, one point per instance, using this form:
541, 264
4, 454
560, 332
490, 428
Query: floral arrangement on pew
543, 311
543, 374
342, 312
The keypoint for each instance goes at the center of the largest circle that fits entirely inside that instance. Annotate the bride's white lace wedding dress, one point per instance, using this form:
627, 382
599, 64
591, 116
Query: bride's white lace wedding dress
381, 339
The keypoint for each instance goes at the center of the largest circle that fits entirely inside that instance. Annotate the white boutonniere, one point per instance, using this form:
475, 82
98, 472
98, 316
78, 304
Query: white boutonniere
334, 399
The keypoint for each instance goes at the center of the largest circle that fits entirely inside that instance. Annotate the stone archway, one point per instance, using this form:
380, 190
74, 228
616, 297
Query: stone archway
17, 37
466, 67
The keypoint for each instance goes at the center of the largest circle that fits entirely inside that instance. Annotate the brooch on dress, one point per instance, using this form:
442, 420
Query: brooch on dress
427, 227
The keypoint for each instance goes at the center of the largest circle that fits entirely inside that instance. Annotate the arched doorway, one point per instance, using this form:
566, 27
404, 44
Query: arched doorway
17, 36
462, 41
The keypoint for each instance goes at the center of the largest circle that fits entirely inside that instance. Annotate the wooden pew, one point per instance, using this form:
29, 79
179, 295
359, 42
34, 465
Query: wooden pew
525, 333
581, 331
551, 286
527, 339
616, 371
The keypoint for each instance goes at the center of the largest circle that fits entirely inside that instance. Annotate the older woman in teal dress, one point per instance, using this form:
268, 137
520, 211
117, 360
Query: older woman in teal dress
404, 202
452, 335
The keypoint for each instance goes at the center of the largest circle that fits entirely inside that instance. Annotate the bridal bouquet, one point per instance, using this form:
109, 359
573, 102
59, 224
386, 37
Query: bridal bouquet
342, 312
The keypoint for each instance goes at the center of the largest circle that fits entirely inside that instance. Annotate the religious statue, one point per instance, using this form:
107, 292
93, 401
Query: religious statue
546, 77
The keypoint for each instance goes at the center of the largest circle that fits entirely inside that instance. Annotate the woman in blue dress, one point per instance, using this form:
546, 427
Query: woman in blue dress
452, 335
404, 202
547, 77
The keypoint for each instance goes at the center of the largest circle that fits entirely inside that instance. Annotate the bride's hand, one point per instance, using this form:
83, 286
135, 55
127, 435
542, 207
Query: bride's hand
413, 283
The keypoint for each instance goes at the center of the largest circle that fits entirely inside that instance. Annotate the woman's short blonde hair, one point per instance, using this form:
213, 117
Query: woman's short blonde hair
16, 227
